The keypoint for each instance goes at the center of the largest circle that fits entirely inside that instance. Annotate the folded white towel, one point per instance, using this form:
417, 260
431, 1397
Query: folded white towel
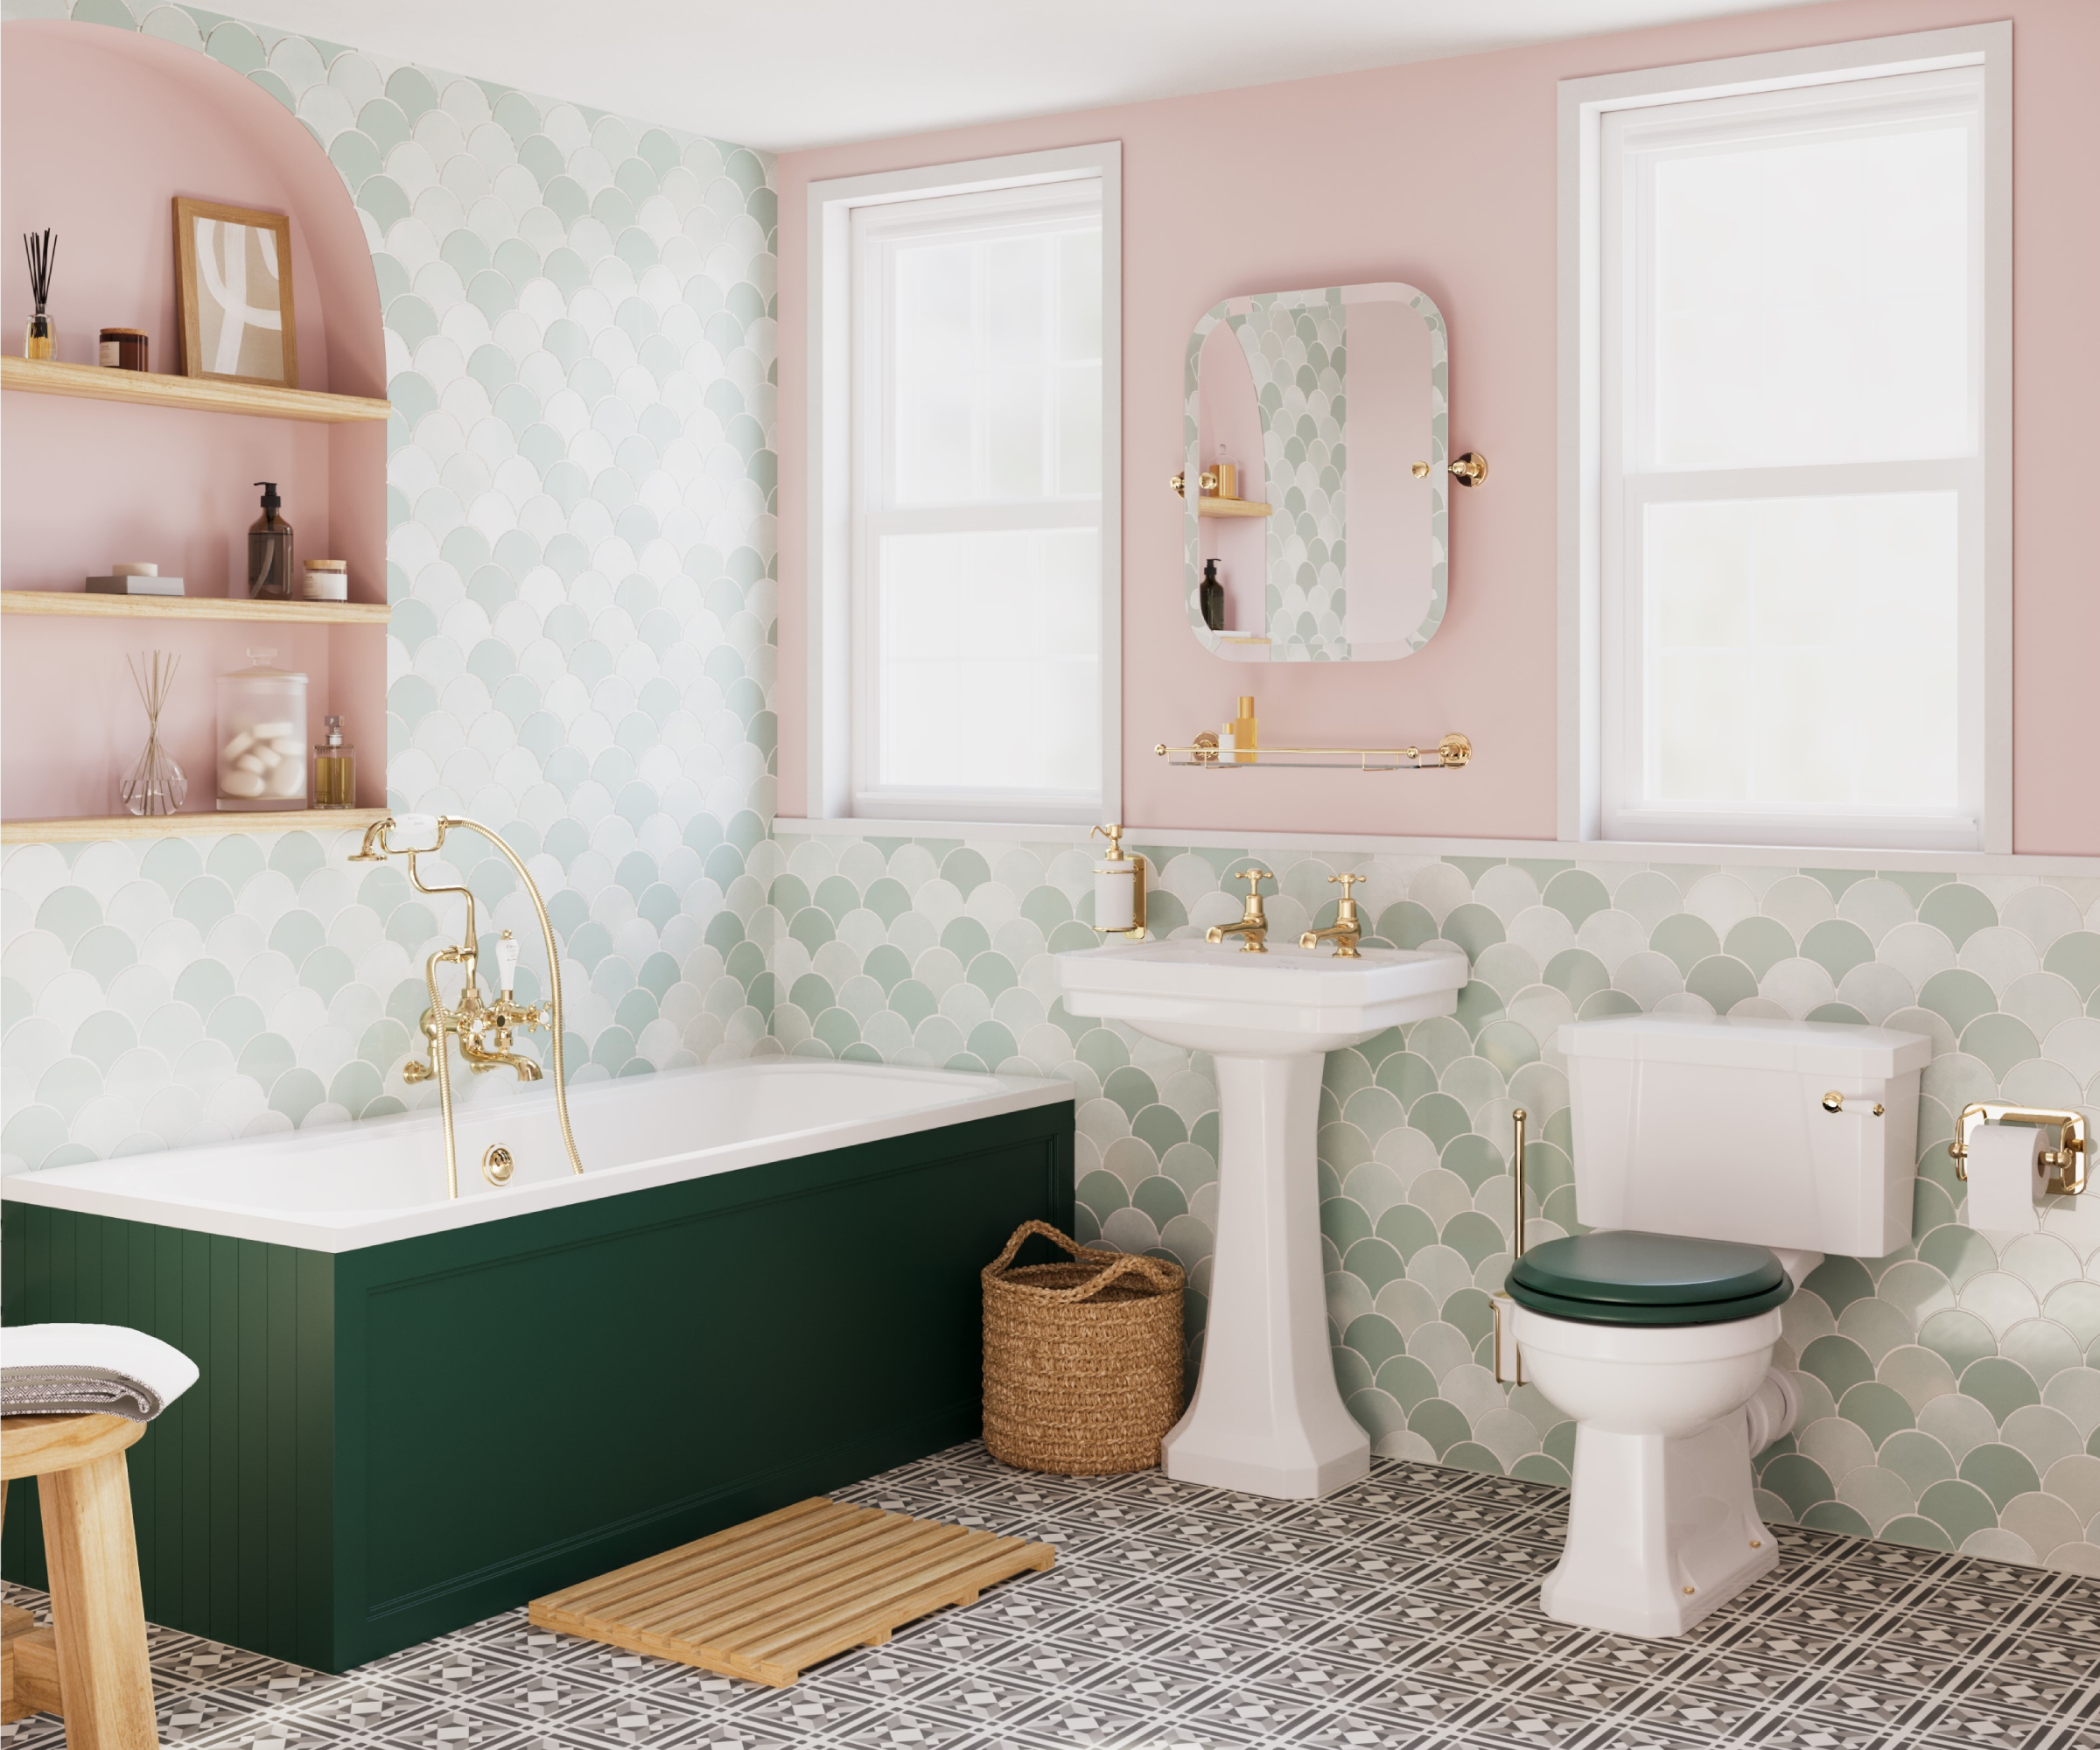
89, 1370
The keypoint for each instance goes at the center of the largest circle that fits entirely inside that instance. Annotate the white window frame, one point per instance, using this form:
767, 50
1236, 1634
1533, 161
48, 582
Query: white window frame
832, 449
1590, 590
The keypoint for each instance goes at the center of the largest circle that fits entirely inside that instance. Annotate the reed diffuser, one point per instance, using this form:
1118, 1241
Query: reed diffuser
37, 338
156, 786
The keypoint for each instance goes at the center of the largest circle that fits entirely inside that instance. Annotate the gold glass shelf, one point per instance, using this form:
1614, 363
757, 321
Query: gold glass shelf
1451, 753
70, 831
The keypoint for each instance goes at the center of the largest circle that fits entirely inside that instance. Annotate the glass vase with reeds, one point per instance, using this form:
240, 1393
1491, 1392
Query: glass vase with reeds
156, 786
37, 339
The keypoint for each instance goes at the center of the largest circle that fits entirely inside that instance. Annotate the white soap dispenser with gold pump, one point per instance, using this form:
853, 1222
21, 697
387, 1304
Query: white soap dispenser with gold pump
1118, 889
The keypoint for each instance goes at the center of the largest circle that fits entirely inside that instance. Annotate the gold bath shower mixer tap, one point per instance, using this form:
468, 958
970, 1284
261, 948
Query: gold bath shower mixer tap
485, 1027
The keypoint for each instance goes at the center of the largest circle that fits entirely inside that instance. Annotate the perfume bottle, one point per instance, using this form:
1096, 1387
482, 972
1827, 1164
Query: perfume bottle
269, 551
334, 769
1245, 731
1211, 596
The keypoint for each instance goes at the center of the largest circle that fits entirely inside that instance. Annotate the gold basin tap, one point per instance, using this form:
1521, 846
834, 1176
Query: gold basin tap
486, 1026
1346, 930
1253, 925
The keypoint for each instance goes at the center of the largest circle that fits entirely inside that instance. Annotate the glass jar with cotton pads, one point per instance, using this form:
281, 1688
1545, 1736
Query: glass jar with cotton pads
261, 760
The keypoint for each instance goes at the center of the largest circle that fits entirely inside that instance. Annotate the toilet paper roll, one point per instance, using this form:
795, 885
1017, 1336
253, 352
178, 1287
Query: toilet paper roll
2006, 1177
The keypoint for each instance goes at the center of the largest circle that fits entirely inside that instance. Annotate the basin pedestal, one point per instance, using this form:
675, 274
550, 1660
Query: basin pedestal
1267, 1418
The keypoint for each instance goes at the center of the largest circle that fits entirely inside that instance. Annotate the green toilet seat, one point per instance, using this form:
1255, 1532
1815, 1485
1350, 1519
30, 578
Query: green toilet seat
1632, 1278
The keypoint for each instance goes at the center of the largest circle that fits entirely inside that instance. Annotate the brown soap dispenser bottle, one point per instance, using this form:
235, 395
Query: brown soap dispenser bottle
270, 550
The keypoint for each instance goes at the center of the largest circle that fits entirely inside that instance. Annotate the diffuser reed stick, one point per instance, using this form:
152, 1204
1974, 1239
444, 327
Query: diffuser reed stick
37, 338
157, 785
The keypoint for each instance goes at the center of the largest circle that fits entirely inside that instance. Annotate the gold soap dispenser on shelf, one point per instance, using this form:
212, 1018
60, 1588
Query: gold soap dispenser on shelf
1118, 889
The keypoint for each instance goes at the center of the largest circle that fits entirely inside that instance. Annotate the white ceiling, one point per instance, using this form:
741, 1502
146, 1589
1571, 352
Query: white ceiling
790, 73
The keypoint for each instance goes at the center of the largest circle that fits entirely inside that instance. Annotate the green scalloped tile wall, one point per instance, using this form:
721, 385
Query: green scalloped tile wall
1950, 1392
579, 313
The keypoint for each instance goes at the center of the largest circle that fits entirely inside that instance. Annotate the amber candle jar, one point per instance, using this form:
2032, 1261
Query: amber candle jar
123, 349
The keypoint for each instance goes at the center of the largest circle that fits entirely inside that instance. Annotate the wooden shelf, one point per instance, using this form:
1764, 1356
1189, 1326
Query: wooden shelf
1232, 507
208, 394
80, 604
185, 825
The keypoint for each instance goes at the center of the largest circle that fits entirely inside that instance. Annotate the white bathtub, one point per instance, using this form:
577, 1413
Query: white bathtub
351, 1185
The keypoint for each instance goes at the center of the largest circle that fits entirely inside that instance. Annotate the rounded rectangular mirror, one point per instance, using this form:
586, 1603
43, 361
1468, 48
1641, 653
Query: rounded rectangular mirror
1317, 436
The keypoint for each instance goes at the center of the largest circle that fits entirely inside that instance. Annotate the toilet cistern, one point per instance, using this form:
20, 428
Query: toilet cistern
1267, 1418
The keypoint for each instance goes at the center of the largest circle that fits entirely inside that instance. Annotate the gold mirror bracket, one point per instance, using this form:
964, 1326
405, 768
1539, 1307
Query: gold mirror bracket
2066, 1162
1469, 470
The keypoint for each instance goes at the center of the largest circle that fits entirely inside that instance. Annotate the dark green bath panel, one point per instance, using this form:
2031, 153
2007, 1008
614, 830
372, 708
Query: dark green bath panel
390, 1442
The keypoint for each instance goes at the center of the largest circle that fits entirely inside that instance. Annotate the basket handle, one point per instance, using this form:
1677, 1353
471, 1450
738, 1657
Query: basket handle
1118, 1264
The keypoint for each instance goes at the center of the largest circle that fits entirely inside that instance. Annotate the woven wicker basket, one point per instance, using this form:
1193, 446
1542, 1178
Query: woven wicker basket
1083, 1361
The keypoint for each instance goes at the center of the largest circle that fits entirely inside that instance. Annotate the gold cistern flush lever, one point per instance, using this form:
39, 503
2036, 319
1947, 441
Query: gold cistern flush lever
2066, 1163
1469, 470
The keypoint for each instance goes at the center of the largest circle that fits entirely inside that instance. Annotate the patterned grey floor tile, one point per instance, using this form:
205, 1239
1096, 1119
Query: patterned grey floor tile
1399, 1614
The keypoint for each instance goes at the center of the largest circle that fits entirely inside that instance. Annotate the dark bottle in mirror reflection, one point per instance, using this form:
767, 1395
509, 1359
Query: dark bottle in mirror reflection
1214, 597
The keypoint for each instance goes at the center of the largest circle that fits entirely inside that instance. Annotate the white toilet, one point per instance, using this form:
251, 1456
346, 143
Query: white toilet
1724, 1158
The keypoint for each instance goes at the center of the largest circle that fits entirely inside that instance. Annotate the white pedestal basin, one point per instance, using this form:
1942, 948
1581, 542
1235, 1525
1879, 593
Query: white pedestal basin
1267, 1418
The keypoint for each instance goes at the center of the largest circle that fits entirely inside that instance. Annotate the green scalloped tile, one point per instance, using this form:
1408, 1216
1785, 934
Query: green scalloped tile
1471, 1455
1959, 1338
1761, 943
1443, 1424
1917, 1373
1838, 1363
1839, 1281
1835, 1515
2001, 1386
1917, 1457
1799, 1481
1958, 1509
1687, 940
2001, 1472
2000, 1041
1537, 1467
1407, 1227
1919, 1532
1722, 980
1577, 895
2076, 958
1578, 974
1958, 996
1879, 1409
1955, 909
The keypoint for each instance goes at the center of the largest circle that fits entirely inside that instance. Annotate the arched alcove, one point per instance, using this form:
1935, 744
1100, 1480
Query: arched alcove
99, 129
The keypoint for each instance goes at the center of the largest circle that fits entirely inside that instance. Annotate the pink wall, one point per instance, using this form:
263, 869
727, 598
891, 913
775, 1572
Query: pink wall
99, 129
1442, 174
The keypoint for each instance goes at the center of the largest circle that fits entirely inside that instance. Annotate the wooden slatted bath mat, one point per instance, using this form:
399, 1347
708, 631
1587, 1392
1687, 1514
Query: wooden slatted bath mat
766, 1599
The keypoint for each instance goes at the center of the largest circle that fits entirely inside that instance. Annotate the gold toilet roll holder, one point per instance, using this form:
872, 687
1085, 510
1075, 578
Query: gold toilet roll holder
2066, 1162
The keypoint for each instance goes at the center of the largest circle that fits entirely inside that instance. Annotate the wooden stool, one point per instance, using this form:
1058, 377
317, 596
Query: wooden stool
90, 1666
